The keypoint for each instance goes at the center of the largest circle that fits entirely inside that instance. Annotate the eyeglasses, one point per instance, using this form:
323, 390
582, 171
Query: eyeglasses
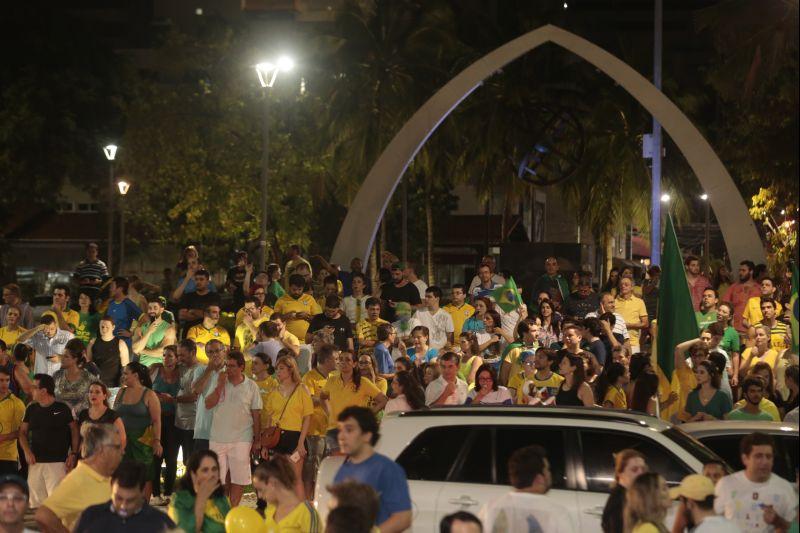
13, 498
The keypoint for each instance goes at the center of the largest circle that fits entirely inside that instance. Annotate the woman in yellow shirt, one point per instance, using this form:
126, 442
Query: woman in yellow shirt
289, 406
761, 352
611, 386
646, 504
366, 364
262, 370
285, 512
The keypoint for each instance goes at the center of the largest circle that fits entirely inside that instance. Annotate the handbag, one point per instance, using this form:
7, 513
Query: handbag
271, 436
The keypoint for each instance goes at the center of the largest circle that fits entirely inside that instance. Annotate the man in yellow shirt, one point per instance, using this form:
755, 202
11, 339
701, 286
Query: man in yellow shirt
68, 319
247, 330
315, 380
11, 412
207, 331
458, 308
367, 330
88, 484
633, 310
297, 307
260, 295
752, 311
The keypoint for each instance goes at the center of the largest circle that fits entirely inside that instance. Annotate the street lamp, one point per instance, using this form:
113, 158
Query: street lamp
707, 245
665, 198
123, 187
267, 72
110, 152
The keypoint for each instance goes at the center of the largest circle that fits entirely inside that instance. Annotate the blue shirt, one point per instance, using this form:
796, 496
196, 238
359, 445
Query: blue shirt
386, 477
432, 353
384, 359
123, 313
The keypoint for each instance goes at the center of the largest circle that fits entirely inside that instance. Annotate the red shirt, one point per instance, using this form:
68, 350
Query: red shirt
738, 294
701, 283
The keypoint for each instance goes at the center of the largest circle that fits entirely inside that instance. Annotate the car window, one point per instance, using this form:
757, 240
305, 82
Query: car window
599, 448
791, 444
475, 463
727, 447
431, 455
509, 439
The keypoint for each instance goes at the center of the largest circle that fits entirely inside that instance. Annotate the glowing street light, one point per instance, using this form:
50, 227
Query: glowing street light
707, 244
123, 187
704, 197
665, 198
268, 71
110, 151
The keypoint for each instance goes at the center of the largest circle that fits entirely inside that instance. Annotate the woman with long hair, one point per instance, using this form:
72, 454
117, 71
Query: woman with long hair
368, 368
290, 407
494, 340
408, 394
88, 318
200, 504
645, 390
475, 322
628, 465
347, 388
72, 380
611, 282
166, 384
761, 351
611, 386
646, 504
550, 322
421, 352
573, 390
263, 372
99, 412
707, 401
286, 511
471, 360
140, 410
488, 391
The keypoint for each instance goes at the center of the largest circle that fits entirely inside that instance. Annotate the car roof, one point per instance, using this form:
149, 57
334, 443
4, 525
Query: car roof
523, 411
737, 427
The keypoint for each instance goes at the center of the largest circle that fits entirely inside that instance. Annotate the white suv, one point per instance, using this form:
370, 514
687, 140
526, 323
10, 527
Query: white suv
456, 458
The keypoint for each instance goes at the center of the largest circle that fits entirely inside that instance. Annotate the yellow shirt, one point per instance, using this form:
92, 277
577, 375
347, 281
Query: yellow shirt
341, 396
289, 338
771, 357
266, 312
202, 335
459, 316
297, 406
78, 490
265, 386
315, 382
515, 382
645, 528
752, 310
72, 317
11, 412
303, 304
243, 337
686, 383
10, 337
367, 330
632, 309
302, 519
616, 397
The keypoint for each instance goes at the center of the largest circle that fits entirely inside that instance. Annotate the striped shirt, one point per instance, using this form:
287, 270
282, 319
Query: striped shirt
95, 270
45, 347
367, 331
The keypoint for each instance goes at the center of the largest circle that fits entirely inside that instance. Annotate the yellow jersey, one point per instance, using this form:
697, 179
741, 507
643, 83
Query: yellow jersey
12, 410
459, 316
200, 334
315, 383
341, 396
304, 304
302, 519
266, 312
289, 411
72, 317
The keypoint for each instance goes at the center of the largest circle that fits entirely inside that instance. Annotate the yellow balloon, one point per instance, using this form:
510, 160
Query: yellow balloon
244, 520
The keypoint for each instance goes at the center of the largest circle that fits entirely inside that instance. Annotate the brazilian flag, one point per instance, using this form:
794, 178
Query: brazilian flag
794, 304
507, 297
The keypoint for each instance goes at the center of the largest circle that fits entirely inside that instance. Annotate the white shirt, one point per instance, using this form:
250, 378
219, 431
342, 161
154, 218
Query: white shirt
497, 397
619, 324
741, 501
522, 511
355, 308
271, 347
398, 404
436, 387
232, 420
45, 347
421, 287
439, 325
717, 524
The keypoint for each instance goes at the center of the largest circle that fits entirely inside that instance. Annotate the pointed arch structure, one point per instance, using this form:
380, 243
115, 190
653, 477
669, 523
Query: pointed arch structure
361, 224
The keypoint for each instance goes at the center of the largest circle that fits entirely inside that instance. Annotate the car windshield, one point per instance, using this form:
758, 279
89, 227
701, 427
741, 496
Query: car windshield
698, 450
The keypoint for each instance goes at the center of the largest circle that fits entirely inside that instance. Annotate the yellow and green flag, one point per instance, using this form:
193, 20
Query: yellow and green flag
507, 297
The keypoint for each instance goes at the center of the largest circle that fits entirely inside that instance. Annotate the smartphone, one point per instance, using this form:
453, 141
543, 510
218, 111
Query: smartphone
295, 457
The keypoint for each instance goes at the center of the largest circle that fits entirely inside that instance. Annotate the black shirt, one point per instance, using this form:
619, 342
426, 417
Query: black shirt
48, 431
598, 348
101, 518
390, 292
192, 300
342, 330
579, 307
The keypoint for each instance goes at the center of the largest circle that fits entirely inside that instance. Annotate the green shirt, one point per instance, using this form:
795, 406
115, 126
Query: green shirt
741, 414
153, 342
181, 510
86, 329
730, 340
705, 319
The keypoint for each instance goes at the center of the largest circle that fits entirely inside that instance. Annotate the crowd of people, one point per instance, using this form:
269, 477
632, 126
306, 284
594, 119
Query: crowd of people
256, 382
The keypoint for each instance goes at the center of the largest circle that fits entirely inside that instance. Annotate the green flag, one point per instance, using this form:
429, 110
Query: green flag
794, 303
676, 320
507, 297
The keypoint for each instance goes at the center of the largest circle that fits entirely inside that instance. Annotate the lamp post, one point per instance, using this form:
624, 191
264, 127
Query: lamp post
707, 245
267, 72
111, 152
123, 187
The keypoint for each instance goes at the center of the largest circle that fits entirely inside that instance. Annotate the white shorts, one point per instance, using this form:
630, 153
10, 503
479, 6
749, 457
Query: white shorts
233, 456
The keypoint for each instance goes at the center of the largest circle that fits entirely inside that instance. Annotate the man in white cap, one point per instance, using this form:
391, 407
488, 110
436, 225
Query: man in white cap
696, 493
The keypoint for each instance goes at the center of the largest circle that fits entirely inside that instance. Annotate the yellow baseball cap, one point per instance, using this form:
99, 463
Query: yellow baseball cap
695, 487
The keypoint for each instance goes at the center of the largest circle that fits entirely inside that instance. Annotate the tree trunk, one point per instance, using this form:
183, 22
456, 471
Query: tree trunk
373, 266
608, 253
429, 227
